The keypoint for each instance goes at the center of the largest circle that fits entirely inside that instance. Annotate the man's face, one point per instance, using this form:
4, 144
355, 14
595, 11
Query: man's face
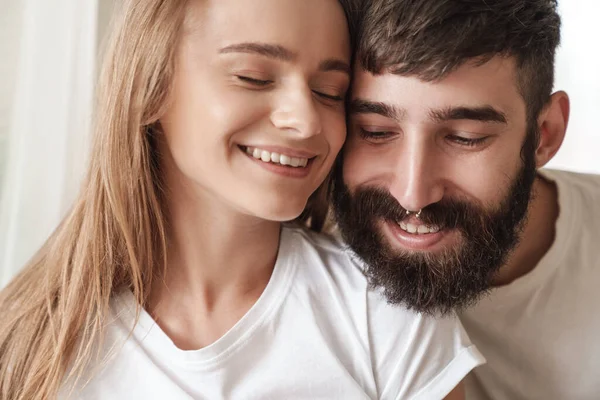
450, 149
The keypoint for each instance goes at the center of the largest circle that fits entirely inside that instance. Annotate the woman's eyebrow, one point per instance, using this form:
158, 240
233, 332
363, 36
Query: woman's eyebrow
282, 53
264, 49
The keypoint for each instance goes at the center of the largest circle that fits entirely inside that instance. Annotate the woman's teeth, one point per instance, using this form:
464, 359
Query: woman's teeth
276, 158
418, 229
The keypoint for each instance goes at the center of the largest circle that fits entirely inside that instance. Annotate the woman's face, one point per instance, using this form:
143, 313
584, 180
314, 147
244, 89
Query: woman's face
256, 116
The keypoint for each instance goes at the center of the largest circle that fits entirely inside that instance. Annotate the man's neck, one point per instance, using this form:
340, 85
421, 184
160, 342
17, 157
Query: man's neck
538, 233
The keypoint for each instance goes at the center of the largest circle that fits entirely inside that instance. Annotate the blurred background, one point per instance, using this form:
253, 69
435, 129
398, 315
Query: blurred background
49, 54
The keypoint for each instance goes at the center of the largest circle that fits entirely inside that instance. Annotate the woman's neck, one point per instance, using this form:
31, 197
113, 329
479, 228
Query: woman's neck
219, 263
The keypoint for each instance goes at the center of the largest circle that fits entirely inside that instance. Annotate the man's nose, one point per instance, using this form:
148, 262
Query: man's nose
418, 180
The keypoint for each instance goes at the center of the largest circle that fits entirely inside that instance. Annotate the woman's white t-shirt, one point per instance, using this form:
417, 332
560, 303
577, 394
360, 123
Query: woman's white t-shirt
316, 332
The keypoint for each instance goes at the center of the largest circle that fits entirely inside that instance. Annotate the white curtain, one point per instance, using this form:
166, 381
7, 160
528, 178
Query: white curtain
50, 123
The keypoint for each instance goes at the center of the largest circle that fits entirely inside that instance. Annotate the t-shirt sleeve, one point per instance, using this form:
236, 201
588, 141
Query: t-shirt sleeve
415, 356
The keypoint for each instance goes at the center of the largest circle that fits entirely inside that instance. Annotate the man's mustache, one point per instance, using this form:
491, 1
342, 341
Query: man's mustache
445, 214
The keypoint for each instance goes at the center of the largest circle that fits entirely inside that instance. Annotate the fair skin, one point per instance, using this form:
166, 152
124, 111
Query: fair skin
459, 137
249, 75
225, 206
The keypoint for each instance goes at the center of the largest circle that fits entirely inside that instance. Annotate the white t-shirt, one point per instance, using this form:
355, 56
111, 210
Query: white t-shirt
541, 333
316, 332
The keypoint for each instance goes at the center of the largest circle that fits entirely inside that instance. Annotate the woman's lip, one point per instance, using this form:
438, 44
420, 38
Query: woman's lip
285, 151
283, 170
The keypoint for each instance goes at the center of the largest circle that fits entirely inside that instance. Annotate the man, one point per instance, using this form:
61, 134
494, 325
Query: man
439, 189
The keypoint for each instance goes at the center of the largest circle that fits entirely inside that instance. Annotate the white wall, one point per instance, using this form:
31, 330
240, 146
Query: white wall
578, 73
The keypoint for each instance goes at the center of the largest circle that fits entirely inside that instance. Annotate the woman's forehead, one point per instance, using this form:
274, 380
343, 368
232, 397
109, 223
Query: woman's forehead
296, 25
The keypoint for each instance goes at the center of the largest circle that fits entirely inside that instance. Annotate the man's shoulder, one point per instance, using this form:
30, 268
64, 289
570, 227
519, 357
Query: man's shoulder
576, 191
585, 182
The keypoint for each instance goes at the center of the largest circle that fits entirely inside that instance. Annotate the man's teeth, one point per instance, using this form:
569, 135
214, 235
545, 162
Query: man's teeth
276, 158
418, 229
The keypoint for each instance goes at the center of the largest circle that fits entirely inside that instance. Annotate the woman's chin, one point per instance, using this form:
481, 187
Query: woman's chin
280, 211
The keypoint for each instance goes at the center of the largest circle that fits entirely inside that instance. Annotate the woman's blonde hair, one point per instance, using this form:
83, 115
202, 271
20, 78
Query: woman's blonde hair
53, 314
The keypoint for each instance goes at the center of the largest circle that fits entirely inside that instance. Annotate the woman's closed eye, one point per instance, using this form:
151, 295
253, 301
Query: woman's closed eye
254, 81
331, 89
327, 96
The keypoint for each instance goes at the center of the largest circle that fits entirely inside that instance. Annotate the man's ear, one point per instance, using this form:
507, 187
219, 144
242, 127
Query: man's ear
552, 124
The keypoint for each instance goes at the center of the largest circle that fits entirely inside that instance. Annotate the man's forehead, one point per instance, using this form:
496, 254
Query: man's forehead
498, 66
491, 84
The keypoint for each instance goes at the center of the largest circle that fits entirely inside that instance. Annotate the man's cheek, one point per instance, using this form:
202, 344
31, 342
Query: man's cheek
351, 170
360, 167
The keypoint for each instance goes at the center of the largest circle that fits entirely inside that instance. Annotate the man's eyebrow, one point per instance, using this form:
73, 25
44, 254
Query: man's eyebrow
483, 114
359, 106
264, 49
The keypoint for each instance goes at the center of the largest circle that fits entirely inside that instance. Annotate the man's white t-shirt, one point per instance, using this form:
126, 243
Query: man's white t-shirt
316, 332
541, 333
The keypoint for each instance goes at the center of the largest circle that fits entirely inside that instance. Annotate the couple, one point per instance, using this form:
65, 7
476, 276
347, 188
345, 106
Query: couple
225, 128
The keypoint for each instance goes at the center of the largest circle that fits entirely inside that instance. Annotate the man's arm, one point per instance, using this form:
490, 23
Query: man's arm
458, 393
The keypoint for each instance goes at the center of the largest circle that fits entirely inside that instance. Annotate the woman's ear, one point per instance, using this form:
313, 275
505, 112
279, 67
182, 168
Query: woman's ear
552, 124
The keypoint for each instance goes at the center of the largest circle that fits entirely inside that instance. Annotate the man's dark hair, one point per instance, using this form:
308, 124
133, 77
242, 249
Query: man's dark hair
431, 38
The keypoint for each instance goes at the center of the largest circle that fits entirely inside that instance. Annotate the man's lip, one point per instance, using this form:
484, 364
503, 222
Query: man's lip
286, 151
411, 241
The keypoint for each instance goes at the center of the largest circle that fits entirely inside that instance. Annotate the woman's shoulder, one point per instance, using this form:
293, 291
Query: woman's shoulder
326, 266
418, 355
327, 241
321, 253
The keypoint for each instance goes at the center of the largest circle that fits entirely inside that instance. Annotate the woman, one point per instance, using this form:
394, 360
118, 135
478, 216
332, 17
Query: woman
173, 276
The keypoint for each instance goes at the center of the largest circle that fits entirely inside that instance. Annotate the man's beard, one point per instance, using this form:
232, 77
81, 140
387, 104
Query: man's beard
454, 278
